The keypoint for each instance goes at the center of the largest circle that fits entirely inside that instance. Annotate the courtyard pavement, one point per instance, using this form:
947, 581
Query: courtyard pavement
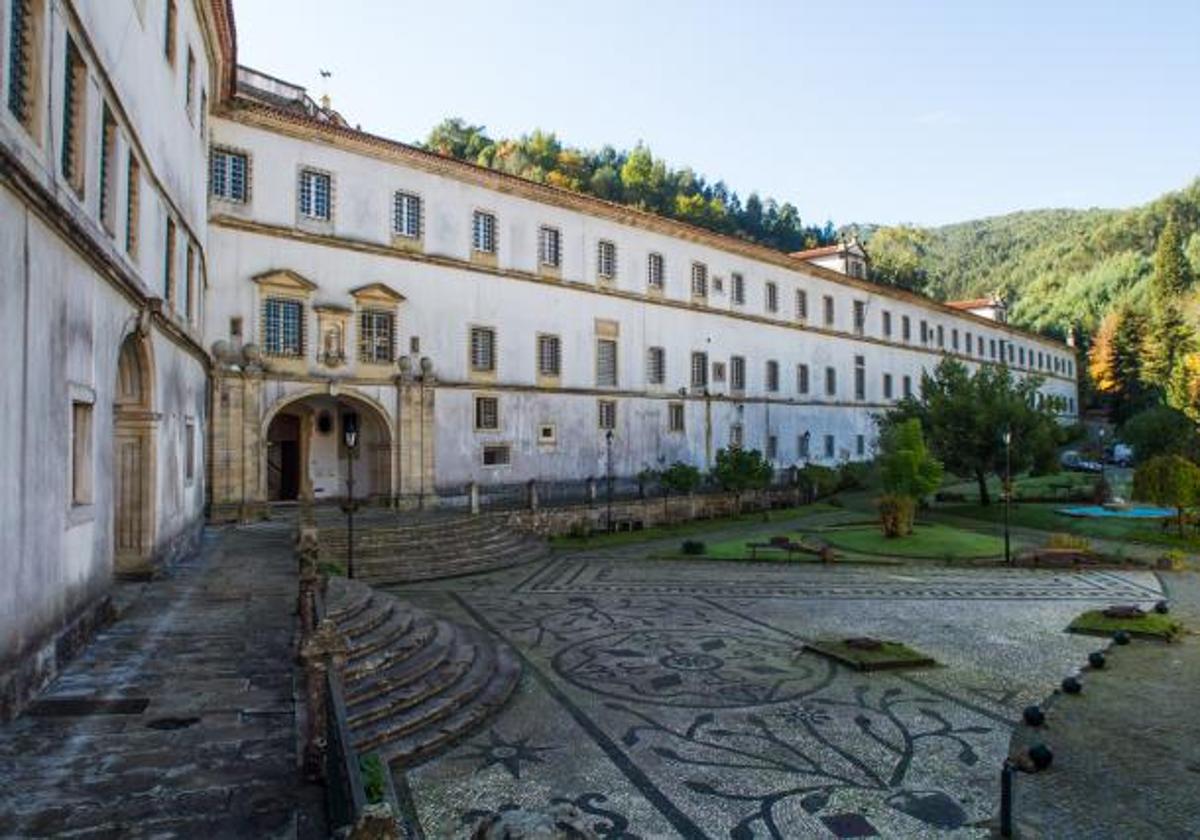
178, 720
669, 698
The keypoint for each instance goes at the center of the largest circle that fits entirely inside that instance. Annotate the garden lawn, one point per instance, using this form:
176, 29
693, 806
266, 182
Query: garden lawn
738, 549
1045, 518
1150, 625
929, 541
887, 656
1059, 485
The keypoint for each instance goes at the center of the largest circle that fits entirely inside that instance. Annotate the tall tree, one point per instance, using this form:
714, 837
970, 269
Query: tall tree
898, 256
1171, 337
1115, 362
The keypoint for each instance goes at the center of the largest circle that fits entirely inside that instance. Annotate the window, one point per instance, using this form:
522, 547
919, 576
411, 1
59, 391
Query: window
169, 32
487, 414
801, 305
483, 349
483, 232
941, 336
81, 453
737, 373
189, 95
549, 246
499, 455
675, 417
699, 280
887, 386
414, 344
968, 342
860, 378
802, 445
828, 310
169, 263
235, 329
74, 126
133, 198
656, 366
606, 414
654, 271
908, 392
906, 328
376, 336
227, 172
606, 259
315, 194
831, 382
699, 370
1010, 351
24, 50
549, 355
992, 347
924, 332
772, 297
887, 324
1021, 354
802, 378
547, 434
954, 339
772, 447
406, 215
829, 446
606, 362
860, 445
736, 435
189, 451
860, 317
772, 375
737, 284
108, 169
283, 327
189, 282
718, 371
203, 111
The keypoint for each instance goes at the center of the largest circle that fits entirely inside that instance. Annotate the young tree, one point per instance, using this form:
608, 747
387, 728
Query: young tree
908, 472
738, 470
965, 416
1168, 480
680, 478
1160, 430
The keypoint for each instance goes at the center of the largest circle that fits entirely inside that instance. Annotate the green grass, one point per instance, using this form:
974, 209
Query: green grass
738, 549
930, 541
1025, 486
1043, 517
373, 776
683, 530
889, 655
1151, 625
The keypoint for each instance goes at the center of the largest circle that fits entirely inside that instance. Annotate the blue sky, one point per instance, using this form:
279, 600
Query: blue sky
880, 111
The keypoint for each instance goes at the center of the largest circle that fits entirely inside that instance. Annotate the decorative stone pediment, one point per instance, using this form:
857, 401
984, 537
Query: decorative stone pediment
285, 279
379, 292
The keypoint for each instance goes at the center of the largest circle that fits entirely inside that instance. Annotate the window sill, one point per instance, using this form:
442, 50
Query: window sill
81, 514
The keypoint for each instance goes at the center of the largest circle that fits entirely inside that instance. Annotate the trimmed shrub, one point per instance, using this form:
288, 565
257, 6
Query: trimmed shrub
1174, 560
693, 547
896, 514
1071, 541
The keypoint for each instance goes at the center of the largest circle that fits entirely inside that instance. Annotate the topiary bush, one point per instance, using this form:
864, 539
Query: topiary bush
693, 547
1072, 541
896, 514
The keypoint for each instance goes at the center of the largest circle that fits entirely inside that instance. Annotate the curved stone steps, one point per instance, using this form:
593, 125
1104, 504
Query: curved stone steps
414, 682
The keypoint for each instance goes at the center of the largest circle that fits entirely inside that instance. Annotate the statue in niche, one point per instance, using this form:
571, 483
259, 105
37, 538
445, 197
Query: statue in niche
332, 350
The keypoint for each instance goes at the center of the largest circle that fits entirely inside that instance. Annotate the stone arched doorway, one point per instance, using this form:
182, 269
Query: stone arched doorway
134, 491
306, 456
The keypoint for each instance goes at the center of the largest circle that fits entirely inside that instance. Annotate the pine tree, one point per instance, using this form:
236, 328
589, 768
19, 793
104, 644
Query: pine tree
1171, 338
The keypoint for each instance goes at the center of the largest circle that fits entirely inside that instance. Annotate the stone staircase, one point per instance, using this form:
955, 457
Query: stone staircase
414, 682
403, 551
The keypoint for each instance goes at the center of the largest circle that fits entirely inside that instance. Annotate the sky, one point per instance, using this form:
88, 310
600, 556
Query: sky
884, 111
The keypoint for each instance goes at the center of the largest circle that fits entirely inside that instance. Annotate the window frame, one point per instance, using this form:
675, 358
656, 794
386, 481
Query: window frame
676, 416
552, 342
490, 347
484, 232
699, 280
603, 381
656, 365
369, 338
549, 234
606, 415
656, 268
737, 373
283, 348
223, 158
317, 176
698, 369
480, 404
408, 222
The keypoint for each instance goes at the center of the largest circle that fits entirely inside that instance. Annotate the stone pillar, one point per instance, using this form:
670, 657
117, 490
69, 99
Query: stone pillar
414, 436
324, 652
473, 497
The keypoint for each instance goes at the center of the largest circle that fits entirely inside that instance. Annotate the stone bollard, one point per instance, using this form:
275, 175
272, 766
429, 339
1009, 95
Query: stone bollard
308, 552
473, 496
377, 822
325, 650
533, 495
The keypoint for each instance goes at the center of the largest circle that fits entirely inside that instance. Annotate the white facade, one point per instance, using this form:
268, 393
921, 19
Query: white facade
104, 452
447, 289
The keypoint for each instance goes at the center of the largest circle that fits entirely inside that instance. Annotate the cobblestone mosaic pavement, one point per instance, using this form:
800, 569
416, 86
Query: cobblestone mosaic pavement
669, 699
178, 720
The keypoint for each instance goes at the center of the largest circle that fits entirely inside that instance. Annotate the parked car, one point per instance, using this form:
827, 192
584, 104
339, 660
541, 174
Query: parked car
1072, 460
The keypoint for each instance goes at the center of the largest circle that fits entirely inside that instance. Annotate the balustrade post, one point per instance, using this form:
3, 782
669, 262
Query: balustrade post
308, 552
324, 651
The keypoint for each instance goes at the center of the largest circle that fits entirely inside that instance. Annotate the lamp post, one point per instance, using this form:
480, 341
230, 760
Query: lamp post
608, 475
1007, 490
804, 444
350, 438
1103, 487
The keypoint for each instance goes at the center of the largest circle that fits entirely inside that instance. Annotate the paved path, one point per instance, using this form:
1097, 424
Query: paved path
204, 744
1127, 750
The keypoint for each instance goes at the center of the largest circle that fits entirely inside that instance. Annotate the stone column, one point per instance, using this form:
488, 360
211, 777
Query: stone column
322, 654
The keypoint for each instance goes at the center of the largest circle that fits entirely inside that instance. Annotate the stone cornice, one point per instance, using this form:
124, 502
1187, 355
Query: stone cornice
377, 249
302, 127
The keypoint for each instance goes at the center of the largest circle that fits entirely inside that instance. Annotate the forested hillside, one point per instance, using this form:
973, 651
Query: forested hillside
633, 177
